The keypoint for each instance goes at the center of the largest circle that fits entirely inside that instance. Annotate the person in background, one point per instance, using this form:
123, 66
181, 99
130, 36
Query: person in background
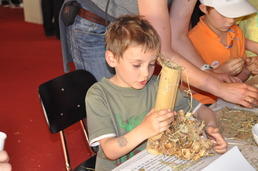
50, 14
82, 39
219, 40
4, 162
249, 25
82, 28
120, 114
11, 3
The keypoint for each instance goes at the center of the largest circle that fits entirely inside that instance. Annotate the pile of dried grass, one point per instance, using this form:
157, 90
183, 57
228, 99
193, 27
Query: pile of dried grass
253, 81
237, 124
185, 139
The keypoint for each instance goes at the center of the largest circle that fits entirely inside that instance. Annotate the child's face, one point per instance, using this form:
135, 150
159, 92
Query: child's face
135, 67
217, 22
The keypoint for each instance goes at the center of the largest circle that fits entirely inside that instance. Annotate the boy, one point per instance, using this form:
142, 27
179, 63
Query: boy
120, 117
221, 43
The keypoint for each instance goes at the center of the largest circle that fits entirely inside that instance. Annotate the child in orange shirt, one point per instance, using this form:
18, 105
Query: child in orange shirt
221, 43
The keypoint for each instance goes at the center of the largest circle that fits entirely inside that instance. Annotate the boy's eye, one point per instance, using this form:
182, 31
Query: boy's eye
152, 65
136, 66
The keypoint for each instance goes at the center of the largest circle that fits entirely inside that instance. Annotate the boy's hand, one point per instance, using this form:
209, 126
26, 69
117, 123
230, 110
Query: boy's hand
4, 159
220, 145
233, 66
252, 64
157, 121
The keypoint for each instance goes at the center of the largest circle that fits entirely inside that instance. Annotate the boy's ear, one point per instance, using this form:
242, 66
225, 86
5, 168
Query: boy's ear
203, 8
110, 58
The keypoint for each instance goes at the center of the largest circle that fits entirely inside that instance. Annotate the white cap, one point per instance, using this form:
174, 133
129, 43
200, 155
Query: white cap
231, 8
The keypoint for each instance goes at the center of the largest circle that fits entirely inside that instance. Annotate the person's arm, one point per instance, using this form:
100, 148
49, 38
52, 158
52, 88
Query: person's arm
156, 12
153, 123
251, 46
208, 116
180, 15
4, 161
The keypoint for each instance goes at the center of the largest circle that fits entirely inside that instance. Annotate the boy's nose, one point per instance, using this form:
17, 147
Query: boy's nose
145, 72
230, 21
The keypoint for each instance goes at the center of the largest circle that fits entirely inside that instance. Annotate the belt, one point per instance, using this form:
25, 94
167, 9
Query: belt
92, 17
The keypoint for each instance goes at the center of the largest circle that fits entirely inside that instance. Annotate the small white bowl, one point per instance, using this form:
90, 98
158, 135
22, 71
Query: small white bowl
255, 132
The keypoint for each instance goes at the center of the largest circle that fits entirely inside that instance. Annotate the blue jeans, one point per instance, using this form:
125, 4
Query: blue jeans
86, 41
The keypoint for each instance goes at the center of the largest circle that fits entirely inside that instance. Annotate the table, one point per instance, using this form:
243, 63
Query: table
145, 161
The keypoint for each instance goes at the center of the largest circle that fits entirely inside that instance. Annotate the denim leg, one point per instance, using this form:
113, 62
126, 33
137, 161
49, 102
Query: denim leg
88, 47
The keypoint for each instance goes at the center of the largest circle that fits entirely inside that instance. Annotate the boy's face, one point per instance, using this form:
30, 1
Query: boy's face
135, 67
217, 22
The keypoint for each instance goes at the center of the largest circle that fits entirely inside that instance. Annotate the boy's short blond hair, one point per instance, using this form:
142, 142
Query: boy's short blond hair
130, 30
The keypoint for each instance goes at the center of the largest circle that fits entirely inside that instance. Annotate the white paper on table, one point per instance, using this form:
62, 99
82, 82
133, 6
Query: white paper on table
149, 162
231, 160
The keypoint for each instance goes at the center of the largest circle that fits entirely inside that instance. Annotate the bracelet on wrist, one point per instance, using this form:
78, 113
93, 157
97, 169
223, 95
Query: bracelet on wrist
206, 67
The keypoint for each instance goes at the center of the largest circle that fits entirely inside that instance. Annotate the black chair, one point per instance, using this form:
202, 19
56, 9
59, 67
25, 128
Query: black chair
63, 103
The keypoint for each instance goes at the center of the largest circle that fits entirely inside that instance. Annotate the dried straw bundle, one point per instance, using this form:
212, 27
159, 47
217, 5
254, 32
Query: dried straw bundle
253, 81
237, 124
185, 139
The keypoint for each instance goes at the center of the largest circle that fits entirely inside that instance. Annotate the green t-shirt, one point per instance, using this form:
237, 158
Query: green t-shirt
113, 111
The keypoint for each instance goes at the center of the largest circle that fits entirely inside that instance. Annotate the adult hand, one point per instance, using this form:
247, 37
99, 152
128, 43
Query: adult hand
4, 159
220, 145
239, 93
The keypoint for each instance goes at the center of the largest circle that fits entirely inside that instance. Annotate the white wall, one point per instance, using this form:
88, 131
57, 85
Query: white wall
32, 11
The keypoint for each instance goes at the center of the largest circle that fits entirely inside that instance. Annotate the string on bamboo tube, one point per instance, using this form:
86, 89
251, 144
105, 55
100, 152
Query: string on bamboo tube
185, 137
188, 91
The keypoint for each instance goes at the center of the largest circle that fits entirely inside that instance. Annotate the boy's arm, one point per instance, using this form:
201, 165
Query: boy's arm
117, 147
251, 46
156, 12
208, 116
153, 123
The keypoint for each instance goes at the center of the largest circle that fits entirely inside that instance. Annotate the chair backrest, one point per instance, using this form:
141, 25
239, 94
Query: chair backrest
63, 102
63, 99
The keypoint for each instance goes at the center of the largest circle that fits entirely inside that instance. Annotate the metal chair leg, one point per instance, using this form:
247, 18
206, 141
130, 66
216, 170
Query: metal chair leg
84, 130
64, 147
85, 133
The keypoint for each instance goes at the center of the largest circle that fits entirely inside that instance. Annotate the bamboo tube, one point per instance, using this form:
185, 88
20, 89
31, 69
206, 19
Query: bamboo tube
166, 94
167, 91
